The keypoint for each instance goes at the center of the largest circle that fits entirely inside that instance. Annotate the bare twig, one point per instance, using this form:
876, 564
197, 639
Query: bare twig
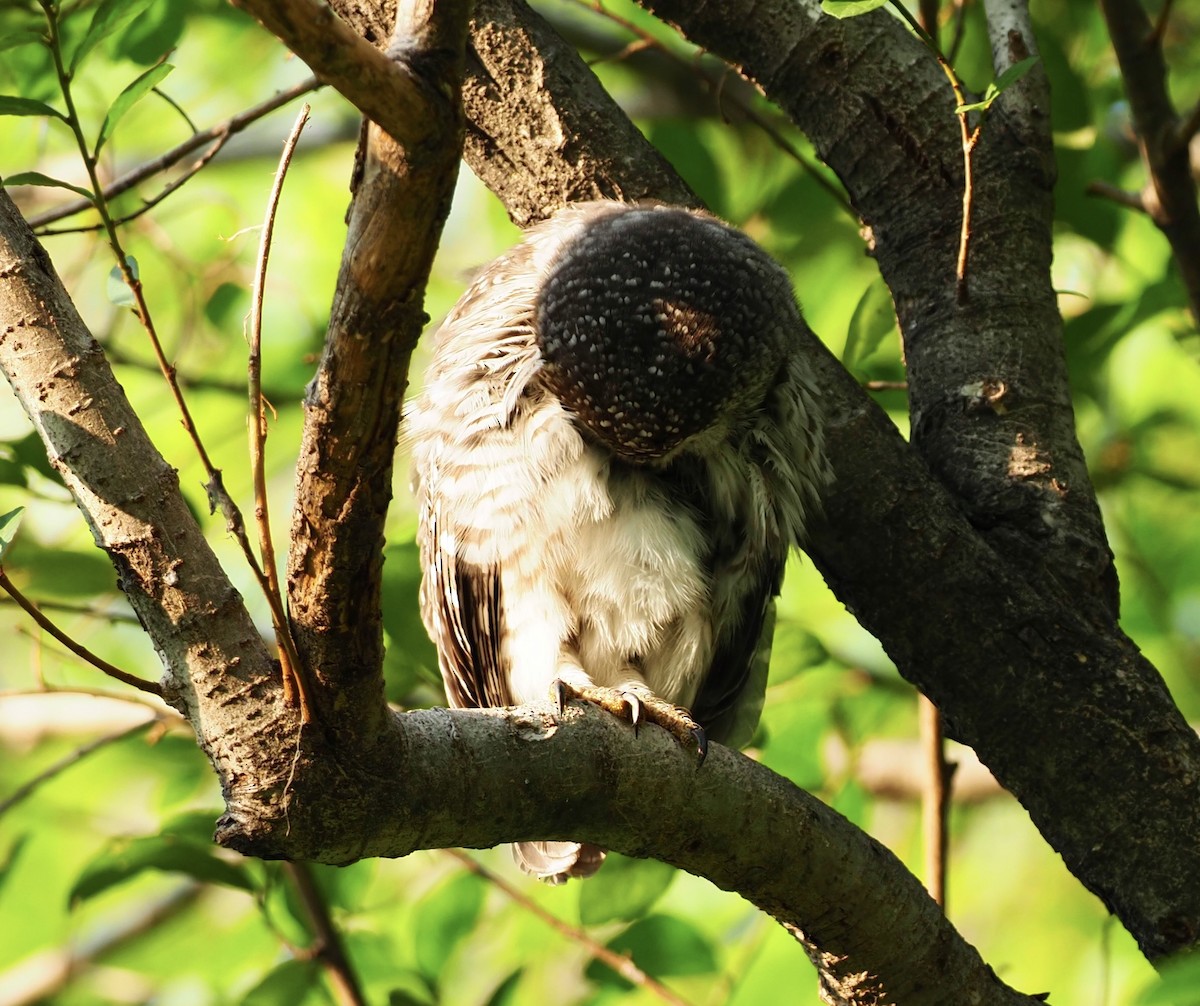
327, 949
153, 687
217, 135
927, 12
38, 977
1188, 127
218, 496
294, 678
622, 965
30, 786
1170, 196
1132, 200
970, 137
935, 801
645, 39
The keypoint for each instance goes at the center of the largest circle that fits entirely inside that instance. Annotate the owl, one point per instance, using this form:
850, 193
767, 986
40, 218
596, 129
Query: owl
616, 443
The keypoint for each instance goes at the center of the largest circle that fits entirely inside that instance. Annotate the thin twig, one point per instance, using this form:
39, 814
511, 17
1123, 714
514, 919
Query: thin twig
1132, 200
293, 672
648, 40
218, 135
153, 687
80, 609
927, 11
38, 977
622, 965
27, 788
1189, 126
327, 949
1160, 23
218, 495
960, 30
970, 137
935, 802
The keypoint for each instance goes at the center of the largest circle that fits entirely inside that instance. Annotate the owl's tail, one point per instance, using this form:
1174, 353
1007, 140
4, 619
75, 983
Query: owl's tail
557, 862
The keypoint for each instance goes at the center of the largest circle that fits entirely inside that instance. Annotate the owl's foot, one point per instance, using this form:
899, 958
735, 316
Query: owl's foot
638, 705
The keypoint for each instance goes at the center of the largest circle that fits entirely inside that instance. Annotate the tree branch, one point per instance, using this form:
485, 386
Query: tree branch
482, 777
1170, 196
130, 498
1036, 687
344, 475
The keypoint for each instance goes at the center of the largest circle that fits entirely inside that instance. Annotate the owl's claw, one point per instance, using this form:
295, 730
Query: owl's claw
638, 705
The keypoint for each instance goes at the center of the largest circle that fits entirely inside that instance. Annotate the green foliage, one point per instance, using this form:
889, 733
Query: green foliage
851, 8
125, 829
660, 945
9, 523
626, 889
168, 850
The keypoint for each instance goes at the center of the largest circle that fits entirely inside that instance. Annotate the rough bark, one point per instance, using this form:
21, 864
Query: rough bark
352, 409
216, 666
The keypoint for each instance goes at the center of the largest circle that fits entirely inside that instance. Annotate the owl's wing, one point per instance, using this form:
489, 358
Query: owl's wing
730, 700
461, 605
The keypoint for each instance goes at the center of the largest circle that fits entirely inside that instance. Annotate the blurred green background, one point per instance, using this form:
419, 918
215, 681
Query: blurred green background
109, 890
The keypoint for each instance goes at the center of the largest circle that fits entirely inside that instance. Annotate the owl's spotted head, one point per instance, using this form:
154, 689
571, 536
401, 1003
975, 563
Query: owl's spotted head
659, 327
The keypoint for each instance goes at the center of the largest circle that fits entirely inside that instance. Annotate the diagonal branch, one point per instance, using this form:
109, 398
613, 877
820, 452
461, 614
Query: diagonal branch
1170, 196
1036, 687
352, 410
130, 498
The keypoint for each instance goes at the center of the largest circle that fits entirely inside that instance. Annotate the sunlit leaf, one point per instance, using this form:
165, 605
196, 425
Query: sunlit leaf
117, 289
999, 86
288, 984
10, 104
20, 36
874, 319
626, 889
447, 914
133, 93
37, 178
1177, 984
661, 945
506, 991
145, 39
10, 857
9, 523
850, 8
109, 16
125, 859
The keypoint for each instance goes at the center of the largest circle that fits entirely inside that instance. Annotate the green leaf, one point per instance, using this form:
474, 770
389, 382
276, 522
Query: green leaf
145, 39
1014, 73
1177, 984
625, 890
37, 178
10, 104
447, 914
999, 86
850, 8
109, 16
132, 94
10, 857
874, 319
288, 984
125, 858
661, 945
117, 289
9, 523
21, 36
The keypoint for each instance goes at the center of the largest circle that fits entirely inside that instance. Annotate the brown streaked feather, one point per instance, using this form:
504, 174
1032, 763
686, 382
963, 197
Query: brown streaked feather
470, 620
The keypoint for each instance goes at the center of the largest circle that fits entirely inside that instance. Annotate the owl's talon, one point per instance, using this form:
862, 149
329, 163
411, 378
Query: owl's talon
639, 705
